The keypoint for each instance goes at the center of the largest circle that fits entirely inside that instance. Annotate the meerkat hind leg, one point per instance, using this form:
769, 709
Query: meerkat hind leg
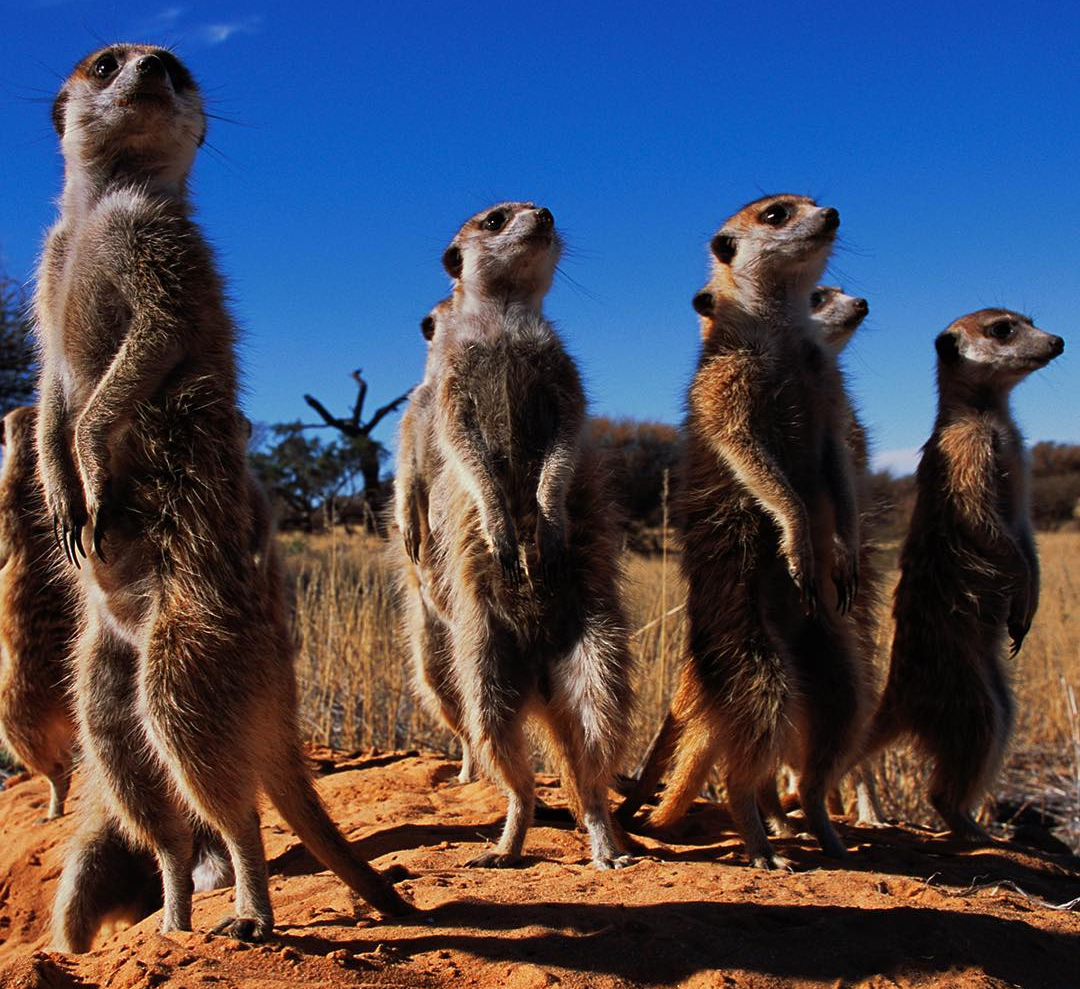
772, 810
59, 784
868, 809
507, 752
126, 771
253, 919
743, 806
587, 790
468, 763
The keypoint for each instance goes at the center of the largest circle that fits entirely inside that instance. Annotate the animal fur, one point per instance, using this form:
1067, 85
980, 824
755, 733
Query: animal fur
142, 447
969, 569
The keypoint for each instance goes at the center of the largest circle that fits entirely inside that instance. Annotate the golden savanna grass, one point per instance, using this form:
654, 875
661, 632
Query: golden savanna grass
355, 692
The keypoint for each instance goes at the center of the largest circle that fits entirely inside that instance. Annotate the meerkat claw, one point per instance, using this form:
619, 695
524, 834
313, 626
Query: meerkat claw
99, 530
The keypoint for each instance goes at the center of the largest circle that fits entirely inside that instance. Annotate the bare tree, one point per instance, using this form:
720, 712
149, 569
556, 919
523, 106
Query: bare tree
370, 451
18, 358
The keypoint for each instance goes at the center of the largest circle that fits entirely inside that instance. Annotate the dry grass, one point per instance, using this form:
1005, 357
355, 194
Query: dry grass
354, 688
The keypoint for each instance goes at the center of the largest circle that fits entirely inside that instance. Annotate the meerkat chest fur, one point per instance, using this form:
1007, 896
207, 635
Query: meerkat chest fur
517, 383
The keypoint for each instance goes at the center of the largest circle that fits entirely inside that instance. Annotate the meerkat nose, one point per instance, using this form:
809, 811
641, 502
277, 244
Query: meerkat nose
862, 306
544, 217
1057, 348
150, 66
832, 219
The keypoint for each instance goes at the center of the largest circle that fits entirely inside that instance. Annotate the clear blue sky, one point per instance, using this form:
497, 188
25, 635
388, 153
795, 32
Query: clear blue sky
948, 136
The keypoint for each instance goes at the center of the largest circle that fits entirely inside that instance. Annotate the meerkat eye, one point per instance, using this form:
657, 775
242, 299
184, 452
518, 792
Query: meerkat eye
495, 220
1000, 330
775, 215
105, 66
816, 299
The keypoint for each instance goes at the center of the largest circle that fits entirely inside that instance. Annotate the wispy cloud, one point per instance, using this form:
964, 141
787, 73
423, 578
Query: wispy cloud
174, 21
897, 462
216, 34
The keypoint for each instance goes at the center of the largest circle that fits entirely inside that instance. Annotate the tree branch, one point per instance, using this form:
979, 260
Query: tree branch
361, 385
382, 413
344, 425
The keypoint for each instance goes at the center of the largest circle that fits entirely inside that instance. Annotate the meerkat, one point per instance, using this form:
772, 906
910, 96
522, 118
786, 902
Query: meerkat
37, 620
426, 625
526, 552
770, 537
835, 317
969, 569
141, 445
38, 627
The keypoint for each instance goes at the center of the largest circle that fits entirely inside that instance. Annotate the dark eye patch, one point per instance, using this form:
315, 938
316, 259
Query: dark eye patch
1000, 330
494, 221
105, 65
775, 215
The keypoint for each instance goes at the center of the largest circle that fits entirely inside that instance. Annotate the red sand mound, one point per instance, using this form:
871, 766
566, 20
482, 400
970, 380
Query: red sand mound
911, 910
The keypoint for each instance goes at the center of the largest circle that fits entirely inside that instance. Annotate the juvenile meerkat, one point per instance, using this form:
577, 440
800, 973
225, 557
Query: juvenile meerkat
37, 620
140, 444
835, 316
426, 625
526, 551
969, 570
770, 537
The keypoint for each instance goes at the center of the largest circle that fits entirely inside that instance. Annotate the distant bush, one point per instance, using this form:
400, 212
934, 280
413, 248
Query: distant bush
638, 453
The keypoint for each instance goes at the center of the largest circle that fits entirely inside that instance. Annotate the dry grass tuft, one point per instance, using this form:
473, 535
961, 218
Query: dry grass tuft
354, 687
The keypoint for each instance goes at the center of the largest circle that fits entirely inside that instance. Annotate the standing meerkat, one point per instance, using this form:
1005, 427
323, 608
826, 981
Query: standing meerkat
969, 570
37, 620
141, 445
426, 625
835, 316
526, 552
770, 537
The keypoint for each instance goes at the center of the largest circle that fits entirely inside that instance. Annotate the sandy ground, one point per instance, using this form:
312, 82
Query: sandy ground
911, 909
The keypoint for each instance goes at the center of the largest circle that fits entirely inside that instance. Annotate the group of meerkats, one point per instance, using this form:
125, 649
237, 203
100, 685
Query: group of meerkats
131, 526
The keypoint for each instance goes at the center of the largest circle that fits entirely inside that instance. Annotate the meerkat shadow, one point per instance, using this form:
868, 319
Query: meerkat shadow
691, 938
298, 861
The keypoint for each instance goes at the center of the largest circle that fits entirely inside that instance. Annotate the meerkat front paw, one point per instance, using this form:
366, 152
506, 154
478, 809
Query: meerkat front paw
504, 548
411, 536
799, 556
67, 509
845, 575
551, 548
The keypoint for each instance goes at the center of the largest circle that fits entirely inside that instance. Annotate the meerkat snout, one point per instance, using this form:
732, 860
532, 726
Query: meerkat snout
149, 66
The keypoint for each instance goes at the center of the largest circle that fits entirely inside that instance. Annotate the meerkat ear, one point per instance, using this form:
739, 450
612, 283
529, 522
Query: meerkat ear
703, 303
427, 327
948, 350
453, 262
58, 109
723, 248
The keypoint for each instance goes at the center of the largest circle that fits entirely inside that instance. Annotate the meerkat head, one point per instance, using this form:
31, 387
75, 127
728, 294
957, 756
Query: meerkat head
131, 110
836, 315
775, 245
435, 319
994, 348
506, 254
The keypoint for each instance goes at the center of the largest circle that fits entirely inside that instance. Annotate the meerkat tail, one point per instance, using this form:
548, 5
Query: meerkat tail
105, 880
294, 796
